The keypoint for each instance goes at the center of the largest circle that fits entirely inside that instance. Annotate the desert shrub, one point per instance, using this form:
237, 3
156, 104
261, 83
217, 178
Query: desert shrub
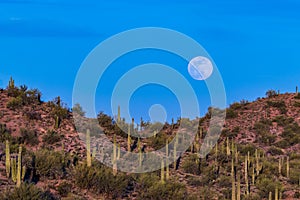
105, 121
252, 196
77, 109
283, 121
52, 137
291, 134
14, 103
297, 195
231, 113
297, 104
283, 144
28, 137
274, 151
33, 115
244, 149
236, 106
64, 189
168, 190
297, 96
27, 192
100, 179
4, 133
191, 165
280, 105
49, 164
266, 185
271, 93
158, 141
224, 181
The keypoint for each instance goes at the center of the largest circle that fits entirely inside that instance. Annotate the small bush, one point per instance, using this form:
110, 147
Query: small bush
266, 185
191, 165
28, 137
49, 164
274, 151
27, 192
100, 179
64, 189
52, 137
271, 93
14, 103
231, 113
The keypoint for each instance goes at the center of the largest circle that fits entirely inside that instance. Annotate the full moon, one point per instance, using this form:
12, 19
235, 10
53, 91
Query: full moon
200, 68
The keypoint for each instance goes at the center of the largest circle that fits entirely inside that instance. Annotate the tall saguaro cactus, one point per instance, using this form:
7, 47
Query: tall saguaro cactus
128, 139
11, 83
119, 114
88, 148
288, 167
238, 194
7, 158
167, 161
296, 90
246, 176
162, 172
233, 193
19, 167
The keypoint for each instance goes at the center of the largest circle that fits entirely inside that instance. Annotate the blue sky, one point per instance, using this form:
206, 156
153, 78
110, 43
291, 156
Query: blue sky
255, 45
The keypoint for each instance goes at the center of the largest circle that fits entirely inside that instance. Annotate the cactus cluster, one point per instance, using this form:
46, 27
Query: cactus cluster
14, 167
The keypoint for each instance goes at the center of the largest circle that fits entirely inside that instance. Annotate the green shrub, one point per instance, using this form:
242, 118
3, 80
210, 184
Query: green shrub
27, 192
4, 133
14, 103
271, 93
274, 151
283, 144
64, 189
168, 190
280, 105
231, 113
100, 179
297, 104
28, 137
49, 164
266, 185
191, 166
52, 137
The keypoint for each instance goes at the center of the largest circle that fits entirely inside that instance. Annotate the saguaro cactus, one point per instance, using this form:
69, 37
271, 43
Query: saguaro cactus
14, 170
88, 148
7, 158
167, 161
279, 165
114, 159
296, 90
119, 115
227, 147
128, 139
19, 167
246, 176
238, 194
288, 167
270, 195
175, 151
11, 83
162, 172
276, 193
233, 193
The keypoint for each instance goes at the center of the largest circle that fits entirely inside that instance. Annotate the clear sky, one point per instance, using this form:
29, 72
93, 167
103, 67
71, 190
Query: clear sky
254, 43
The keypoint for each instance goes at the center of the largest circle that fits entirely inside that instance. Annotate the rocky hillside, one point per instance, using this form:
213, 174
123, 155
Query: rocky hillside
257, 155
